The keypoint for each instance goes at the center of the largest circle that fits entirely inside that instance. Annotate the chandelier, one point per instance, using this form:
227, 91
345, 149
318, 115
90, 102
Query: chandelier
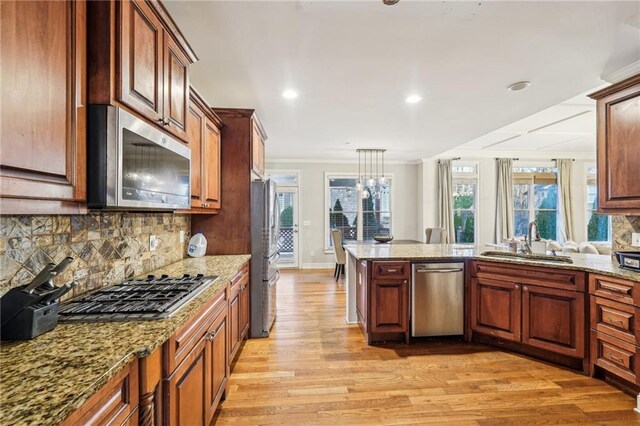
370, 182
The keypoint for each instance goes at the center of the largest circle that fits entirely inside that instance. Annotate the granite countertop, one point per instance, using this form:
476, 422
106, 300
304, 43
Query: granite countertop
45, 379
596, 263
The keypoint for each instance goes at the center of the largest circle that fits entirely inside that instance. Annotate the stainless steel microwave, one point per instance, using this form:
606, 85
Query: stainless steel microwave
132, 165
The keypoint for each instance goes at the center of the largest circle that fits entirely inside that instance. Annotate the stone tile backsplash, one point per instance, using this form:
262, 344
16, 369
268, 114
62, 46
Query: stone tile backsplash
623, 227
106, 247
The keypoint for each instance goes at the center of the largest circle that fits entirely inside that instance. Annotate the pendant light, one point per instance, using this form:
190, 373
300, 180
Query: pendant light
375, 179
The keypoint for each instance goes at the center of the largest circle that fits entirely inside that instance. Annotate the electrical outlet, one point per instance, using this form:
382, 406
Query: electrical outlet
154, 242
181, 236
306, 223
312, 253
635, 239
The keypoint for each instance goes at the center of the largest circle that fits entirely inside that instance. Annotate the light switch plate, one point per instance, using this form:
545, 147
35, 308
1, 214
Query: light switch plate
635, 239
306, 223
181, 236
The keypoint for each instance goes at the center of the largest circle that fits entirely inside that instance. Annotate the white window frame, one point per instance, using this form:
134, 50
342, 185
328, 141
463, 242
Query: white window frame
476, 202
297, 172
587, 210
351, 175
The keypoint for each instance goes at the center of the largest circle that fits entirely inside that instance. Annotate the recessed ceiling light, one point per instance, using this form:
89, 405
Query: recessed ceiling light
412, 99
520, 85
289, 94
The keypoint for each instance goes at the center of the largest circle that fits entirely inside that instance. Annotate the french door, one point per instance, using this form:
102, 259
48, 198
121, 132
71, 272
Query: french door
288, 241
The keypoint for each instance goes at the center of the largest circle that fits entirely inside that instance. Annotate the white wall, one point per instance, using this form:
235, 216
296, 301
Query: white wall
405, 204
487, 187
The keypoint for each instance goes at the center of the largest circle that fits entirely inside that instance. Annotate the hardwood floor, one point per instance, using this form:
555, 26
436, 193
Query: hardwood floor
316, 369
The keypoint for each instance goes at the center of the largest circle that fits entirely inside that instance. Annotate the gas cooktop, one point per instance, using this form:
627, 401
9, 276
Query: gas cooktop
134, 300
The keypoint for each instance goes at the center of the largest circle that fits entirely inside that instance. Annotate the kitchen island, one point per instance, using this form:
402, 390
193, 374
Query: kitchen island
583, 315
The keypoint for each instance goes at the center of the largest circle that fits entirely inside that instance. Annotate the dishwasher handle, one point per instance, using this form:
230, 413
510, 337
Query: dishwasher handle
439, 271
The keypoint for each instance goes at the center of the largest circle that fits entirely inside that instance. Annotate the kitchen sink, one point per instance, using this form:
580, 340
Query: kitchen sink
534, 256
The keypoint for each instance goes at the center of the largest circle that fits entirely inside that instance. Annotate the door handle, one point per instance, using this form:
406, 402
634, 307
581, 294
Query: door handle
440, 271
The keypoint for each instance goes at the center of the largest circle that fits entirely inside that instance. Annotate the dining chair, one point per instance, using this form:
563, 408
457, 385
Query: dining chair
338, 250
436, 236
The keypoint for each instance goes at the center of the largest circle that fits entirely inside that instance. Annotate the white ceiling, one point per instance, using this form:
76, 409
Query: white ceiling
354, 63
566, 127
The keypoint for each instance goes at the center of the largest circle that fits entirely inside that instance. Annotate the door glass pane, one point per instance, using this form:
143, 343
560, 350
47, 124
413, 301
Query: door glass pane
545, 196
546, 220
286, 237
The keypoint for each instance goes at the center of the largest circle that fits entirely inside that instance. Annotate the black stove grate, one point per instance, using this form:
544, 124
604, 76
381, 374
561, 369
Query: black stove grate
141, 299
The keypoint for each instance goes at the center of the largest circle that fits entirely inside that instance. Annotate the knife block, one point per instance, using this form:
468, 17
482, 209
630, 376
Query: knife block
23, 318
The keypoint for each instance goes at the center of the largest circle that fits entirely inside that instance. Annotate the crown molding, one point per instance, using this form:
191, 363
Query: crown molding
622, 73
335, 161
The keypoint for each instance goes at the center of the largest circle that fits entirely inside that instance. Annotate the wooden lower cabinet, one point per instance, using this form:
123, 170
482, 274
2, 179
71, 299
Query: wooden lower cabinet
554, 320
185, 390
541, 310
390, 305
217, 362
495, 308
239, 299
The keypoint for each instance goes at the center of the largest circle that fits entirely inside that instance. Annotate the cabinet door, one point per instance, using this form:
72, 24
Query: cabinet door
618, 153
553, 319
244, 309
185, 390
389, 306
217, 362
257, 150
234, 324
43, 96
141, 60
176, 89
211, 167
195, 124
495, 308
361, 292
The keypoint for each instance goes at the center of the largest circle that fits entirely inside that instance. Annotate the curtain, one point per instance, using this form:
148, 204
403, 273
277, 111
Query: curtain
504, 200
445, 199
564, 200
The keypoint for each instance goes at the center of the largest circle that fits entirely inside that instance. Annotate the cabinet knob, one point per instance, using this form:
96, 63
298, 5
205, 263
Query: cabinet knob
166, 122
405, 281
516, 286
525, 288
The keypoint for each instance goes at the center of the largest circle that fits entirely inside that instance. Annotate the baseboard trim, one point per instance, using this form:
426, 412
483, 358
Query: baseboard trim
318, 265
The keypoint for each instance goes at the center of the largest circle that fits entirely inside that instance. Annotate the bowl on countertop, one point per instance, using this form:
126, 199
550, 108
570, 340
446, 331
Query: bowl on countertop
383, 238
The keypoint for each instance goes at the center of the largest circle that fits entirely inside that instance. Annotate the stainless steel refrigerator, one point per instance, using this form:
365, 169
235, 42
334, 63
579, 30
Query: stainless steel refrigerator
265, 231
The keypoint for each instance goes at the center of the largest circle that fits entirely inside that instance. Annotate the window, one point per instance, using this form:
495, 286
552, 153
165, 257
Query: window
535, 198
465, 199
342, 199
598, 225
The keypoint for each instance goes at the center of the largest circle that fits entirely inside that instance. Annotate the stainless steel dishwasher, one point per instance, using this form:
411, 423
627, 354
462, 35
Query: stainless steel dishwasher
437, 299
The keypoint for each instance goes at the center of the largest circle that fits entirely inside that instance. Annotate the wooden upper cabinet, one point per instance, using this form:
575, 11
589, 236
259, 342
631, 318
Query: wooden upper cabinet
211, 151
195, 124
43, 125
203, 137
257, 148
618, 108
176, 93
140, 60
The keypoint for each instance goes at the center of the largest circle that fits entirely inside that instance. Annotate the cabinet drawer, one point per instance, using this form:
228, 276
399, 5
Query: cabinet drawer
115, 403
533, 275
187, 336
391, 269
615, 355
614, 318
614, 289
243, 273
